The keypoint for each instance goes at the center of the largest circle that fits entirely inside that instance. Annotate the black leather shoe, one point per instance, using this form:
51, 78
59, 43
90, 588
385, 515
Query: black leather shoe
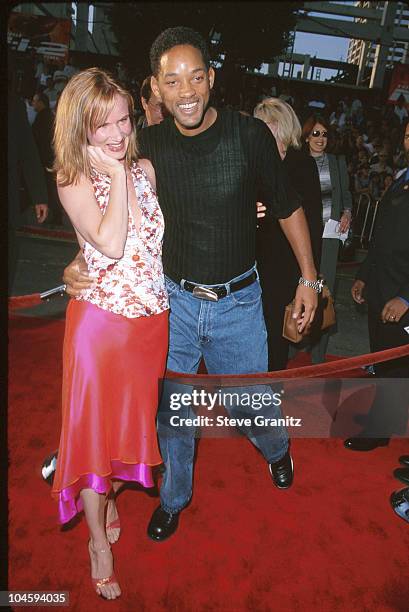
282, 471
162, 524
365, 444
400, 503
49, 466
404, 460
402, 474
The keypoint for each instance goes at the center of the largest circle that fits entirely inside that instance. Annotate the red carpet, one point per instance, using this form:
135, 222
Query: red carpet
331, 543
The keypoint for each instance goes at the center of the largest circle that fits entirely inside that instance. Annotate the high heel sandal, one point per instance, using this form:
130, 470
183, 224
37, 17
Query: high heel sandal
115, 524
97, 583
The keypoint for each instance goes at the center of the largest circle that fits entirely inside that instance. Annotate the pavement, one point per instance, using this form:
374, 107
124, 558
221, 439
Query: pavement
43, 258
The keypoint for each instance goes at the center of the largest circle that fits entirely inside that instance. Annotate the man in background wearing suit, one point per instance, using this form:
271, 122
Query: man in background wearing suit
23, 161
383, 279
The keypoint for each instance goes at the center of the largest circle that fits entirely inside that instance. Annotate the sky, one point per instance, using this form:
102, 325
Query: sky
323, 47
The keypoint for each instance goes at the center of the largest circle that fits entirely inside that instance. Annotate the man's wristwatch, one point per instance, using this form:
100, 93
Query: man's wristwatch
316, 285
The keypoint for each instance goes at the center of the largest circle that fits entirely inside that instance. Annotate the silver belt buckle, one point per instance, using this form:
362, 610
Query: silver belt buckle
204, 293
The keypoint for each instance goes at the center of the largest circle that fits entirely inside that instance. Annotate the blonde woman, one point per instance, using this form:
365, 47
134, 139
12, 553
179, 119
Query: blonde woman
277, 265
116, 332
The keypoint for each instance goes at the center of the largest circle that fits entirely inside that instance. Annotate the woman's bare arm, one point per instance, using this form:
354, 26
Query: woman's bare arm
107, 233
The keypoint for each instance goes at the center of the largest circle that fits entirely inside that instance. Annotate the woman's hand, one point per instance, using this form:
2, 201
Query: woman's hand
357, 291
101, 162
345, 222
41, 212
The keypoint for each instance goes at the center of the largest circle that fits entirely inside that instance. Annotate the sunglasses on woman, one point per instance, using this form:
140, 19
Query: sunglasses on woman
317, 133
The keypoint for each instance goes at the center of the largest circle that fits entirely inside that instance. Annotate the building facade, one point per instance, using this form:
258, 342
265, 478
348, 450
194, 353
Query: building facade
363, 53
90, 24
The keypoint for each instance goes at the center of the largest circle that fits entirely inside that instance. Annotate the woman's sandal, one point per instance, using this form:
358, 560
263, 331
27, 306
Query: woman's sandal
97, 583
109, 527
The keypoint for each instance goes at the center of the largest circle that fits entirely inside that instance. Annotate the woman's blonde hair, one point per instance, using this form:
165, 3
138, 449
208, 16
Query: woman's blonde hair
288, 126
84, 104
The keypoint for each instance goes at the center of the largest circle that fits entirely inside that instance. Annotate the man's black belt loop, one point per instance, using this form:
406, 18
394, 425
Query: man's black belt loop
217, 292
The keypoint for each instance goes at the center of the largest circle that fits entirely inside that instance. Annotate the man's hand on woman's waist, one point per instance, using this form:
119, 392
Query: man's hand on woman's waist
76, 276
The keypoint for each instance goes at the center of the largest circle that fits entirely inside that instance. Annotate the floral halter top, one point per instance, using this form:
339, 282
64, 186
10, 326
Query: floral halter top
134, 285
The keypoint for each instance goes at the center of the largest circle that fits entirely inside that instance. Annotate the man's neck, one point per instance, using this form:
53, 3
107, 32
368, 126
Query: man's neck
209, 118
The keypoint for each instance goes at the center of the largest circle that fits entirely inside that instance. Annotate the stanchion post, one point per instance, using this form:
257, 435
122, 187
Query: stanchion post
368, 206
373, 220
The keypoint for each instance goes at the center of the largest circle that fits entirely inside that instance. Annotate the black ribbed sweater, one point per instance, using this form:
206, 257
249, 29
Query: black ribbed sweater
207, 187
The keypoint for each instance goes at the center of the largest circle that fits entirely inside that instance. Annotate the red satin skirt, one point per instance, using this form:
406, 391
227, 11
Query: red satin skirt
112, 366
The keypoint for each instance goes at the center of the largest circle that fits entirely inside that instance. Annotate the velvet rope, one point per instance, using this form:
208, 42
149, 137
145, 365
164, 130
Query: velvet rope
27, 301
23, 301
314, 371
45, 232
321, 370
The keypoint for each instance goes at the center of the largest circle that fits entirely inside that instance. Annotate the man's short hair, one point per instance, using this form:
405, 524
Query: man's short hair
146, 90
173, 37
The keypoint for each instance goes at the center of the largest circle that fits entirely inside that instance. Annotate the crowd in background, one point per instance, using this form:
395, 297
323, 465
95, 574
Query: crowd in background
369, 135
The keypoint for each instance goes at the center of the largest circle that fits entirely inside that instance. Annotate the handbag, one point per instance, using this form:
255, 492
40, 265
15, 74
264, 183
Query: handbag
324, 317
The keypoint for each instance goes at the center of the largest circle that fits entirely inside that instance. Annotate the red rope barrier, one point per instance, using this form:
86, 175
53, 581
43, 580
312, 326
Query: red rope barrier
27, 301
44, 232
24, 301
314, 371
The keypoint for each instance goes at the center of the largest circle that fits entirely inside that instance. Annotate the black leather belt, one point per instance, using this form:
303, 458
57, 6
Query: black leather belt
219, 291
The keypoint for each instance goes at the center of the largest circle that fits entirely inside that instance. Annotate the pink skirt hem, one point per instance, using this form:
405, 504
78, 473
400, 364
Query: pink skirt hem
69, 499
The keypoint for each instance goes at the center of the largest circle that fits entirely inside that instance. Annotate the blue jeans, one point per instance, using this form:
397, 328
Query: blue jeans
231, 336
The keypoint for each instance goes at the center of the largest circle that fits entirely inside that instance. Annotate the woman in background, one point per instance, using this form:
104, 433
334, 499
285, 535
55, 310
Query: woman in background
116, 332
277, 265
336, 204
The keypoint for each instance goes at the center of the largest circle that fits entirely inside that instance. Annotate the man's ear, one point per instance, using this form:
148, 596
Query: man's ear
211, 75
155, 88
144, 104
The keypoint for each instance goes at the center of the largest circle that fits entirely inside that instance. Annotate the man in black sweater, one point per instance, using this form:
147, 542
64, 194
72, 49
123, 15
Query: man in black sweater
211, 167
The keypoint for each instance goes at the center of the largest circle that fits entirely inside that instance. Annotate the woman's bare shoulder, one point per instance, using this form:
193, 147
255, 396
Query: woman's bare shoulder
147, 167
81, 182
145, 164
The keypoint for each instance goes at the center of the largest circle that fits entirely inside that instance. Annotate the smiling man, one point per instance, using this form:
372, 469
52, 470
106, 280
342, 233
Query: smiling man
189, 105
211, 167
